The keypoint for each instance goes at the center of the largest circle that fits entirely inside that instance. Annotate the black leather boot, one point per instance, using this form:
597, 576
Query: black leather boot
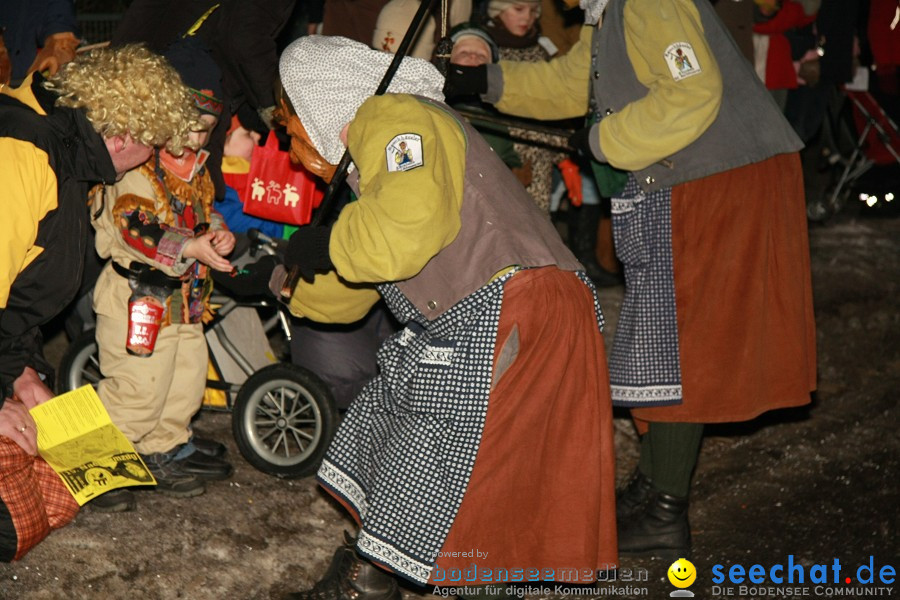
661, 529
631, 499
583, 241
351, 577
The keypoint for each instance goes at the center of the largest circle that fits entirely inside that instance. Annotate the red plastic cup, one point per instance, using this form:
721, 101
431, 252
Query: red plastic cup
145, 315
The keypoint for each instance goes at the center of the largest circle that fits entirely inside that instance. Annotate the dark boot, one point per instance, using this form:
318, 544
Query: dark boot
582, 228
171, 478
633, 498
351, 577
120, 500
208, 447
201, 465
583, 242
661, 530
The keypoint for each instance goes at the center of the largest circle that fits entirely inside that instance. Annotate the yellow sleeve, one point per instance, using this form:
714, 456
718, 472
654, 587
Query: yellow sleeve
557, 89
330, 299
409, 205
29, 193
675, 111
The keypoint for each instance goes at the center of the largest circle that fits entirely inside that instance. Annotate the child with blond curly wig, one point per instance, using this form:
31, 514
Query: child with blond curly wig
164, 238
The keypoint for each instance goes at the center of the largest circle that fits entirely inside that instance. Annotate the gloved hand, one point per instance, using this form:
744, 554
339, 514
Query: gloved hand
571, 175
58, 49
465, 81
252, 280
580, 142
308, 250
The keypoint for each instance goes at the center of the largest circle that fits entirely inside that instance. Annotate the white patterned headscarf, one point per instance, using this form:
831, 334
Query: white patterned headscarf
593, 9
327, 78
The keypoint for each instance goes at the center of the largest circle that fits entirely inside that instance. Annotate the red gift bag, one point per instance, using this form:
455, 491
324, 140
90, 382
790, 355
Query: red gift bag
279, 190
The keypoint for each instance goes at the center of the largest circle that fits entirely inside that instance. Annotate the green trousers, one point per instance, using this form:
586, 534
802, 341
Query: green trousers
669, 454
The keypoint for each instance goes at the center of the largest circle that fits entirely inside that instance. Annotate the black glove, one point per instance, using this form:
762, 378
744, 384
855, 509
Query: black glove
308, 250
465, 81
253, 280
580, 142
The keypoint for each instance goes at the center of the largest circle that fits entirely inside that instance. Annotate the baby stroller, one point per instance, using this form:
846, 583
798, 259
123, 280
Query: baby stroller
870, 145
283, 416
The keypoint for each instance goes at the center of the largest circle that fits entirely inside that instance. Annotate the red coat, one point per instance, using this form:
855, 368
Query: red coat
780, 71
884, 41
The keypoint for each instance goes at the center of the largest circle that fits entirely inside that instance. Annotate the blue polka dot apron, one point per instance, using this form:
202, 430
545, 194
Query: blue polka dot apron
404, 452
644, 365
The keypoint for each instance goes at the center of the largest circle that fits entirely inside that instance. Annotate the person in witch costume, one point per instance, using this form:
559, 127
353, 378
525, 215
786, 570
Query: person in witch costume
468, 437
717, 322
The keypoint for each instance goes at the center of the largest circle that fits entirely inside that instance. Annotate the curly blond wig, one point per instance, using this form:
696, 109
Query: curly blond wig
130, 90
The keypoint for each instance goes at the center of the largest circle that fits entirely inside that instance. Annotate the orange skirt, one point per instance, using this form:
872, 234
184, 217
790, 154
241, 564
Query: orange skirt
540, 500
743, 295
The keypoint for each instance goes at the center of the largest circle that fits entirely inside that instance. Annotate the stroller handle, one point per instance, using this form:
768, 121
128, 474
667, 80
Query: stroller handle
256, 235
261, 241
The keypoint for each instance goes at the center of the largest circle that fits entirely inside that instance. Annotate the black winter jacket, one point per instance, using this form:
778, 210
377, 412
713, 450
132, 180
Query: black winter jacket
65, 143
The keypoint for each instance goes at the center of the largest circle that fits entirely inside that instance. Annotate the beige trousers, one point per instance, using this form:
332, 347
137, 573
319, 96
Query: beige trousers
151, 399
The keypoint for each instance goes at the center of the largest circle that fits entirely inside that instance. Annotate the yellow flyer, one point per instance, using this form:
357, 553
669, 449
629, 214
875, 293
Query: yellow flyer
78, 439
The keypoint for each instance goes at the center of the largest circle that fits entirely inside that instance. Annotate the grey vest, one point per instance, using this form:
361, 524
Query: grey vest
749, 127
500, 227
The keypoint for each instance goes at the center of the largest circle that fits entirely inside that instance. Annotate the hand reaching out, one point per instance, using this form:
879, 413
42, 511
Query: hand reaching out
202, 248
58, 49
223, 242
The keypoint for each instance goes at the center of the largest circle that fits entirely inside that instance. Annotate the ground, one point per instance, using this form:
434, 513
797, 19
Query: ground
817, 483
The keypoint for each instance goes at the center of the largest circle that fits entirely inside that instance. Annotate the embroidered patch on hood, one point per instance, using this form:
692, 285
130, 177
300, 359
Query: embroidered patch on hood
404, 152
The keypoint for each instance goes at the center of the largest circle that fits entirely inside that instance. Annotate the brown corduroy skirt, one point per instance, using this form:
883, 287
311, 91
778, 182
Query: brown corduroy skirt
743, 295
541, 494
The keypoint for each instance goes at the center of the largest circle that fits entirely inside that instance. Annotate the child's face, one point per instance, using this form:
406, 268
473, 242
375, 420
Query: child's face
470, 51
519, 18
241, 142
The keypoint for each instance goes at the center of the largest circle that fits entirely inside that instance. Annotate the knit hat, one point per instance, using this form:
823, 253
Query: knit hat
199, 72
593, 9
327, 78
495, 7
464, 30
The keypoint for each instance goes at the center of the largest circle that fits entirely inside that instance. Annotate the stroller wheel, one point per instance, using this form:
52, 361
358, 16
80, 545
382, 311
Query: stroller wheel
80, 365
828, 204
283, 419
817, 211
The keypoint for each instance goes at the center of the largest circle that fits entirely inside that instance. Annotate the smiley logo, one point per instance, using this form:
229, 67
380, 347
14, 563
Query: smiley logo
682, 573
